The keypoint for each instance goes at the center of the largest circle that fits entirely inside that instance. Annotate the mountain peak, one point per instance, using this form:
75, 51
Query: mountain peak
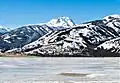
1, 26
2, 29
110, 17
61, 21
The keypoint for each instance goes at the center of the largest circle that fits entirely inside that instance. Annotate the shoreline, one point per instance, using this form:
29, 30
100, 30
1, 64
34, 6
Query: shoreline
36, 55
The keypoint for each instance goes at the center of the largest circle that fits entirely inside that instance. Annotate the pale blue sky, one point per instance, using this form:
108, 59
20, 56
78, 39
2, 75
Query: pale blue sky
14, 13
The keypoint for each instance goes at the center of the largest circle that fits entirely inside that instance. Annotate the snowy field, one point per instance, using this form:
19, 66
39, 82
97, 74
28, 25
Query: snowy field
59, 70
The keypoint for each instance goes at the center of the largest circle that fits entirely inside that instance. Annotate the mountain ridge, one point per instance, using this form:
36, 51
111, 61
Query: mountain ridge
75, 40
89, 35
28, 33
3, 30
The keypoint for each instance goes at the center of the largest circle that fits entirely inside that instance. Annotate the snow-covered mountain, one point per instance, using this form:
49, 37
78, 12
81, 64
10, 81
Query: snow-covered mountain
3, 30
29, 33
79, 39
111, 45
61, 21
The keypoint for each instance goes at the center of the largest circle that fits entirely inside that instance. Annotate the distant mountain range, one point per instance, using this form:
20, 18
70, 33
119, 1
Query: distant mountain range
62, 37
3, 30
29, 33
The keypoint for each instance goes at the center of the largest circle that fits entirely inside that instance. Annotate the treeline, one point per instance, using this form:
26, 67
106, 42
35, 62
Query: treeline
88, 52
100, 52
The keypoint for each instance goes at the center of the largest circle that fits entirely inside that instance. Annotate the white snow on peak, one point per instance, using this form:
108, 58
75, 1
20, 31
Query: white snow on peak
1, 26
2, 29
61, 21
108, 18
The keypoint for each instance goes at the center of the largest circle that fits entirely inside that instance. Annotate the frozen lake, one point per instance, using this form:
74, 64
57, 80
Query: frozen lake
19, 70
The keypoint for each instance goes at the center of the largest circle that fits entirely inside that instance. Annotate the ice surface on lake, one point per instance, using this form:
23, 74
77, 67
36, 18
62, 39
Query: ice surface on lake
49, 69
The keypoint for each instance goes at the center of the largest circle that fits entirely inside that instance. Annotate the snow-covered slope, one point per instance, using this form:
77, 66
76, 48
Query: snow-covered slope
113, 21
29, 33
82, 39
2, 30
61, 21
87, 35
111, 45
